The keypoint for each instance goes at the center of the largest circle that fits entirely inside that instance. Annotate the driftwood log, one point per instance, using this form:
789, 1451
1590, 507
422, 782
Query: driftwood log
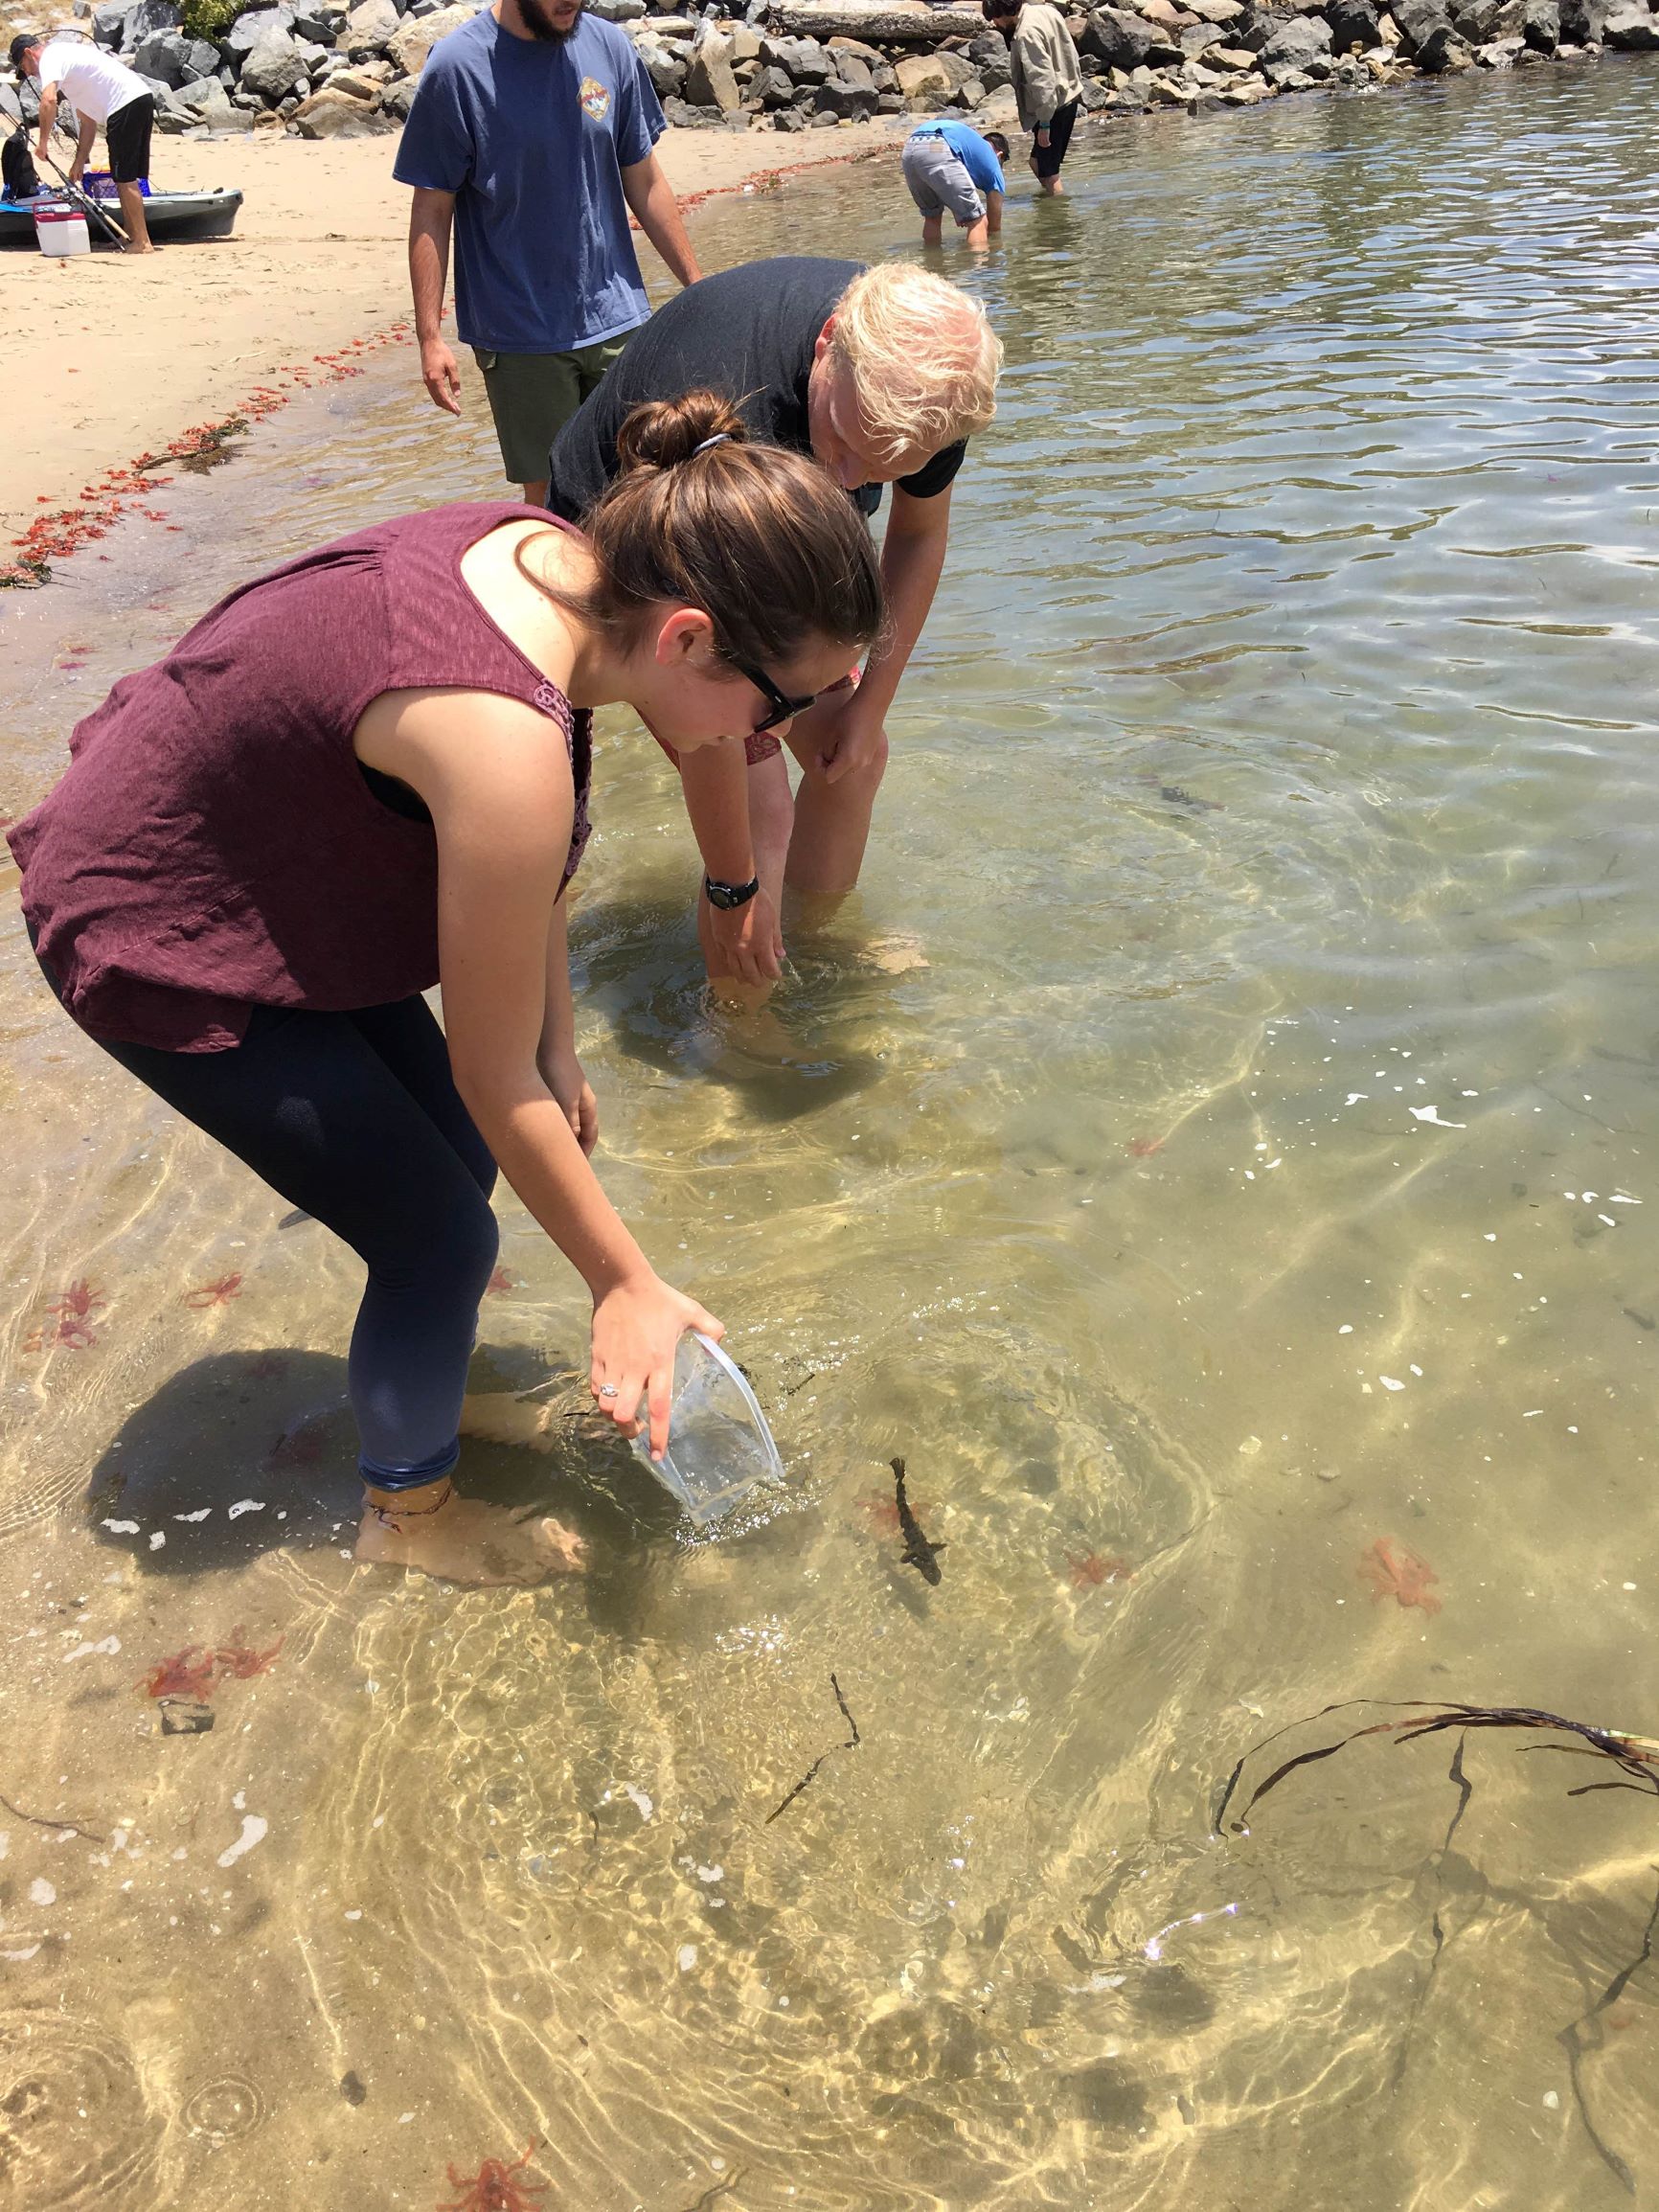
877, 26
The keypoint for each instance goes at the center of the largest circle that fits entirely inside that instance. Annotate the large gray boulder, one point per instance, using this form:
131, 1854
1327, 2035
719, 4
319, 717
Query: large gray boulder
1112, 36
166, 55
409, 46
770, 88
209, 102
145, 19
1353, 23
804, 58
273, 69
666, 65
1418, 20
618, 11
1476, 20
1296, 42
252, 29
854, 72
371, 27
110, 24
1542, 24
857, 103
1632, 30
709, 79
322, 25
1583, 21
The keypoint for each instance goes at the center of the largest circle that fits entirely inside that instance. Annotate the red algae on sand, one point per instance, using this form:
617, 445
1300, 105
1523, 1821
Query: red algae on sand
123, 491
1396, 1573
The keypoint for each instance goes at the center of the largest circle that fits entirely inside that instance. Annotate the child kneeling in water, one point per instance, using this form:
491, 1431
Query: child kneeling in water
951, 165
366, 773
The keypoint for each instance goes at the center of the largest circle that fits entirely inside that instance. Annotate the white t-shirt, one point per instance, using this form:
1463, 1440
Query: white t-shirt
95, 84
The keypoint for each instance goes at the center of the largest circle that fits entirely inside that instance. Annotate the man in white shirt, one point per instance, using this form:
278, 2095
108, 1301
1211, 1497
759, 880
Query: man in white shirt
100, 90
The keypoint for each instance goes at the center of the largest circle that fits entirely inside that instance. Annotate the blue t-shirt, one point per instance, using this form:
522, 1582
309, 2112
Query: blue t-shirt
531, 137
970, 150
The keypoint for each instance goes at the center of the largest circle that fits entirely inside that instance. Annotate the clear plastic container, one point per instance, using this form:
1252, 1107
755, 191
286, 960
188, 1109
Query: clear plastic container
720, 1446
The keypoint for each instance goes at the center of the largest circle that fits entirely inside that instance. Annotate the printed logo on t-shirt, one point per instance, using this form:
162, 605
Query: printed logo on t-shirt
594, 98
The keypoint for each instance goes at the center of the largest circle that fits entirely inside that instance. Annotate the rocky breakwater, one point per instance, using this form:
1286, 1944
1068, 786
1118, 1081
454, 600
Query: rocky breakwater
1204, 54
321, 69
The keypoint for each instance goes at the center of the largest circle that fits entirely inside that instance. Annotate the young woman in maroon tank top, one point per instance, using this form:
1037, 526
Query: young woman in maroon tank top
364, 774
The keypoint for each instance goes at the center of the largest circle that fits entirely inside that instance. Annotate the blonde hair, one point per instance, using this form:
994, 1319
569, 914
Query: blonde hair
922, 357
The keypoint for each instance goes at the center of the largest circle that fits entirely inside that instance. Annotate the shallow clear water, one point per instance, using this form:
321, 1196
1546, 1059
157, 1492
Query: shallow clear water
1276, 780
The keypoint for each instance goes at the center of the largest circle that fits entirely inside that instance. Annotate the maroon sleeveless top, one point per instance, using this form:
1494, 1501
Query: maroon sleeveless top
216, 844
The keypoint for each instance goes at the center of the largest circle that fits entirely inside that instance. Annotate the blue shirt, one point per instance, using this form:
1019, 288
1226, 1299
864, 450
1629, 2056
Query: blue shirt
970, 150
531, 139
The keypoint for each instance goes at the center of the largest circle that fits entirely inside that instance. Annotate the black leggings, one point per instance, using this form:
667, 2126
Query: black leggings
355, 1118
1046, 159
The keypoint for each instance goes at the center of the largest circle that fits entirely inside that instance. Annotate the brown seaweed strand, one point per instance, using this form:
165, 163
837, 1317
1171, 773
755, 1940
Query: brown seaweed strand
1465, 1791
1581, 2038
811, 1774
38, 1821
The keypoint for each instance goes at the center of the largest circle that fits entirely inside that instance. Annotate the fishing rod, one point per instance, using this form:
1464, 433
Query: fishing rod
88, 205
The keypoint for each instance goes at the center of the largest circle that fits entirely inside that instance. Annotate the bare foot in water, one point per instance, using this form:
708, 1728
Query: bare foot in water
501, 1417
470, 1540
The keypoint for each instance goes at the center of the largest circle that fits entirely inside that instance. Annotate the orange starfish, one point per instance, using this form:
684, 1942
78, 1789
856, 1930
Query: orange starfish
1400, 1574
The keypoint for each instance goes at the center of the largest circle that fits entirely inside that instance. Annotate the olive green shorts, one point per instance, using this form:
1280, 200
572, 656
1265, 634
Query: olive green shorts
533, 396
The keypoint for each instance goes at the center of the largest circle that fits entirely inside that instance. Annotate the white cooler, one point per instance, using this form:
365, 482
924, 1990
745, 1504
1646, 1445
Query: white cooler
61, 229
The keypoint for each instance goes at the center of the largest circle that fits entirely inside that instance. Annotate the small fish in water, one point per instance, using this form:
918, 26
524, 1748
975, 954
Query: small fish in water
1400, 1574
1173, 794
918, 1552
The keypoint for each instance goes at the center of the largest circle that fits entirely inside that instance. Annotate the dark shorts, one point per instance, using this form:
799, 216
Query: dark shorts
1046, 159
533, 396
127, 134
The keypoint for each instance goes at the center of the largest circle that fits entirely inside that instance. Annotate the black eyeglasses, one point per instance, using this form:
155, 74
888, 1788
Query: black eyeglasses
783, 708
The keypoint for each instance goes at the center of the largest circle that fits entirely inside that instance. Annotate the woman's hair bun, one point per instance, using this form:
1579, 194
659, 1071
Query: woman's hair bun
662, 433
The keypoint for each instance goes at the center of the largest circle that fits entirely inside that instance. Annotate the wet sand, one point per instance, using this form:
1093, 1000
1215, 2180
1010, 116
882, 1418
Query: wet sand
121, 356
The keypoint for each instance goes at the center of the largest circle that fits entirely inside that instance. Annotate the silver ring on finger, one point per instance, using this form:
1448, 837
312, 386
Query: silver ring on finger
608, 1390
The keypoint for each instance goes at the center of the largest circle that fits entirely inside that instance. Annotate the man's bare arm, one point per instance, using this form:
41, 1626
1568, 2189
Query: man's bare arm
649, 195
431, 219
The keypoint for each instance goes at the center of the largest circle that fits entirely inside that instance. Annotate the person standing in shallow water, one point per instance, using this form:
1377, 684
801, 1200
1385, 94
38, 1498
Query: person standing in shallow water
530, 138
881, 375
1047, 82
364, 774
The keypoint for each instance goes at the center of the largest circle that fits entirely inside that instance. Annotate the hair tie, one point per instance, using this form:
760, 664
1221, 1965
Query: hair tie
721, 438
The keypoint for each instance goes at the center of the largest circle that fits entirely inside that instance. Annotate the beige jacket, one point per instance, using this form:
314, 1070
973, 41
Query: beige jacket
1044, 64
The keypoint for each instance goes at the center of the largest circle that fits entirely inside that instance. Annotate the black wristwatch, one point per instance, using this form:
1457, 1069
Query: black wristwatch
728, 896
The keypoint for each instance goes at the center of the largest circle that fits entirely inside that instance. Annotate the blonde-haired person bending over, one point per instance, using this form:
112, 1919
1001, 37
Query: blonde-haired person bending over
881, 376
366, 773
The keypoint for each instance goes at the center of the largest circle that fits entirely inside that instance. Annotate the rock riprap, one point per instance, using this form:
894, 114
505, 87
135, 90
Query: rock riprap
321, 69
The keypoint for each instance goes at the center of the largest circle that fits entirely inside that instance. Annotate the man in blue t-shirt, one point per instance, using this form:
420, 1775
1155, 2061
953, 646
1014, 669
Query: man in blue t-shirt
950, 165
531, 135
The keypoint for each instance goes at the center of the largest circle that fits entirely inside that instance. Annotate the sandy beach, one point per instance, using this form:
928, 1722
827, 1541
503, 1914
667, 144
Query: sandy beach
123, 355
